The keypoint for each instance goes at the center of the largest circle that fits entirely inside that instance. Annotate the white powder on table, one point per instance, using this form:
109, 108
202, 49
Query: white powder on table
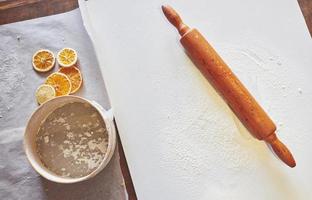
72, 141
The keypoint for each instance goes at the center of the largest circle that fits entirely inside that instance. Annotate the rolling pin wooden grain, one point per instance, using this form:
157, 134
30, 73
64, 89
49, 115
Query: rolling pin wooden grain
228, 86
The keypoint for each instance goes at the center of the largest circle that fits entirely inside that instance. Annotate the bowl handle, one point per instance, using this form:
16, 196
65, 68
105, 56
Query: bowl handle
108, 113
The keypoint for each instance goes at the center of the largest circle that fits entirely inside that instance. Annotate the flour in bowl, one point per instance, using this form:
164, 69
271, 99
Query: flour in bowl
72, 141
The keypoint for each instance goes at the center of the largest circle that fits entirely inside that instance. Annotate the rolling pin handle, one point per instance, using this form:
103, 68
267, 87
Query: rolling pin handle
281, 150
174, 18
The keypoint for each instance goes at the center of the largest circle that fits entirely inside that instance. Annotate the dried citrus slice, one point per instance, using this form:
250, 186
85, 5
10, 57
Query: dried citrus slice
67, 57
75, 77
60, 82
43, 60
45, 93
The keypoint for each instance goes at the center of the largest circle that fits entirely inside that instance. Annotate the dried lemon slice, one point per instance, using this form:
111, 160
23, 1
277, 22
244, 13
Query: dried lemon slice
43, 60
60, 82
67, 57
75, 77
45, 93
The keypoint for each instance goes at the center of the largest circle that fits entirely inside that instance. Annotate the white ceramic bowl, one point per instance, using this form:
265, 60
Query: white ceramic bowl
32, 129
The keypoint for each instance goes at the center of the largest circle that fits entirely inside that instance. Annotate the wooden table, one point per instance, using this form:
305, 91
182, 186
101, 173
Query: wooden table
306, 8
18, 10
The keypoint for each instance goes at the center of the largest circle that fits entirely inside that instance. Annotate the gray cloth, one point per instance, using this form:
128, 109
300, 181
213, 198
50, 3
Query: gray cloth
18, 83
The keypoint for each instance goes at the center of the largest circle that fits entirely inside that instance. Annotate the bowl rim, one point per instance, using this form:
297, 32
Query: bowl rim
107, 117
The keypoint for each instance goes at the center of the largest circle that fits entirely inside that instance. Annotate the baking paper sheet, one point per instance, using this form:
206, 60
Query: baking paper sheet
180, 139
18, 82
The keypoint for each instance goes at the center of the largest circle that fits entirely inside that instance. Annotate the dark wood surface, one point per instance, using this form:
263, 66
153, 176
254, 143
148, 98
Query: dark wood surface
306, 8
125, 172
18, 10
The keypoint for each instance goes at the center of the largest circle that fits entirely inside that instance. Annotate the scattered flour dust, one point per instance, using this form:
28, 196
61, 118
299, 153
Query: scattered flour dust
72, 140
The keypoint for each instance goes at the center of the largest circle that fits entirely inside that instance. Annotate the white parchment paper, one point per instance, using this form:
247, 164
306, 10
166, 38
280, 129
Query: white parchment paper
18, 82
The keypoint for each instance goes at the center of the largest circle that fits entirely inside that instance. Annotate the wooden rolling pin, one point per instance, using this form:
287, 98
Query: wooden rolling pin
228, 86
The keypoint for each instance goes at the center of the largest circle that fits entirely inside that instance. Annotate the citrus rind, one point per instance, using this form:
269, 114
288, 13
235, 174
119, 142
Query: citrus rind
75, 77
44, 93
60, 82
65, 60
36, 57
